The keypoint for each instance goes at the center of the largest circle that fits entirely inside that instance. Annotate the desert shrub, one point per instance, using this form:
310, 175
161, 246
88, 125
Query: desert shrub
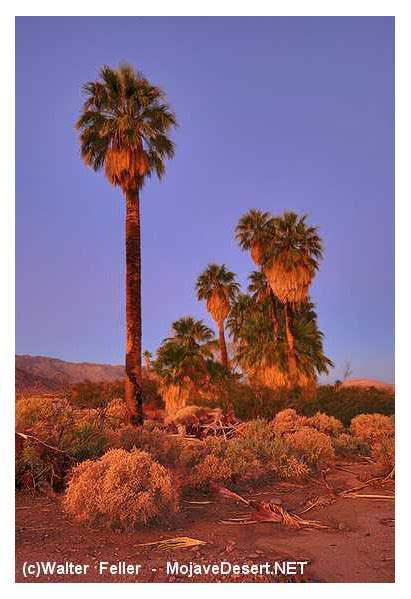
311, 445
371, 427
256, 453
383, 450
344, 403
89, 394
325, 424
345, 444
164, 448
347, 402
211, 468
116, 414
288, 421
29, 460
122, 489
34, 410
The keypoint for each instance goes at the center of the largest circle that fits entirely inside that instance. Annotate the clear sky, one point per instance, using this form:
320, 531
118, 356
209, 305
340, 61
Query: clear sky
275, 113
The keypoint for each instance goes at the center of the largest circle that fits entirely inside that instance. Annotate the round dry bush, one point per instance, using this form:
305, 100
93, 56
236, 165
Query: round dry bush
311, 445
372, 427
326, 424
288, 421
122, 489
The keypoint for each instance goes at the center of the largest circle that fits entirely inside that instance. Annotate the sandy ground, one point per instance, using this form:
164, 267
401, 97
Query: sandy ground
357, 547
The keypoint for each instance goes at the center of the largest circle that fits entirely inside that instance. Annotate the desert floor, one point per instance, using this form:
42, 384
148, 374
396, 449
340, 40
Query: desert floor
357, 547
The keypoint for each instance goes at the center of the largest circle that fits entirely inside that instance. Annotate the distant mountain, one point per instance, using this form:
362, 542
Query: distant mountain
369, 383
41, 374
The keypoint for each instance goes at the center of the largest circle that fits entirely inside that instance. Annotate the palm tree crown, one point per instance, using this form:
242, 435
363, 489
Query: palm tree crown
124, 126
292, 256
218, 287
192, 334
252, 232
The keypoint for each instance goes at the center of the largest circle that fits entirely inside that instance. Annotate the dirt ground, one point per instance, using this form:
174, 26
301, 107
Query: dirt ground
358, 546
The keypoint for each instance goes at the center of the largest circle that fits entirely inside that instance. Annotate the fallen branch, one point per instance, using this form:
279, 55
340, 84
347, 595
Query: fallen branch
28, 437
266, 512
173, 543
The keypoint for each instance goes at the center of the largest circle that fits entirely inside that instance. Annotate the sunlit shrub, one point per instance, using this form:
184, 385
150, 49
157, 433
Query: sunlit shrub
371, 427
346, 444
211, 468
122, 489
383, 451
288, 421
325, 424
291, 467
116, 414
33, 410
311, 445
164, 448
255, 453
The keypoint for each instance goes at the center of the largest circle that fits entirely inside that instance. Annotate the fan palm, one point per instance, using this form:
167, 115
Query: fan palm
262, 292
193, 334
124, 127
218, 287
184, 362
265, 358
252, 233
292, 257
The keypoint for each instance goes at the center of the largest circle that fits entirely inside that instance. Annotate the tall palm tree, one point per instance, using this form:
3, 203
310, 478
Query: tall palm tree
292, 256
218, 287
124, 127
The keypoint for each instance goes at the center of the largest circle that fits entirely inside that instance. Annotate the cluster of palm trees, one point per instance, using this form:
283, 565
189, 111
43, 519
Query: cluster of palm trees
275, 338
124, 127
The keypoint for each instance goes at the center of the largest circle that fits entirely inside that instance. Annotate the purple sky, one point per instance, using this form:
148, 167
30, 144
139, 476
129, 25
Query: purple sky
275, 113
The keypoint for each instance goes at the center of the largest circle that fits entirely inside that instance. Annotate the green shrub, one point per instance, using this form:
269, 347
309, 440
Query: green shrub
344, 403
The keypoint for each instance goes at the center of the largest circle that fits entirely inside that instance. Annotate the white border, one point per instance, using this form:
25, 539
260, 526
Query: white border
403, 214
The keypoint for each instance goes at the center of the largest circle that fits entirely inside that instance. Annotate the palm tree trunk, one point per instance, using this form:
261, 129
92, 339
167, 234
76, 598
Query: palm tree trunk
133, 388
292, 362
223, 346
276, 320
